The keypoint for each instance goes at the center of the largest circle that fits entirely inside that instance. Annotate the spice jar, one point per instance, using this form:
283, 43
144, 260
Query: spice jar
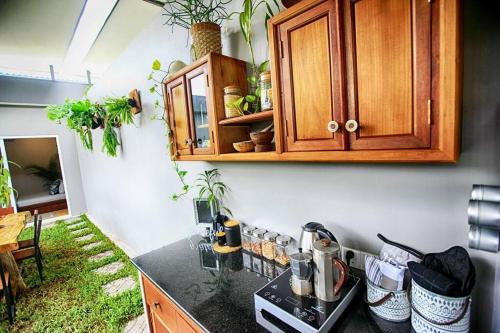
269, 245
266, 91
257, 237
231, 95
283, 248
246, 238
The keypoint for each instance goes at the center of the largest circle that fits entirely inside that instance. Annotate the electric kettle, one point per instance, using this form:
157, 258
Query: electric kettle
311, 232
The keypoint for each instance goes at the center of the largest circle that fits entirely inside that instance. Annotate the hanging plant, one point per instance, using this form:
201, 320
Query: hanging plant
5, 189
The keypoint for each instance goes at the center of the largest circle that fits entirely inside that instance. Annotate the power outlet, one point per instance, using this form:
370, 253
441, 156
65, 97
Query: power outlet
358, 261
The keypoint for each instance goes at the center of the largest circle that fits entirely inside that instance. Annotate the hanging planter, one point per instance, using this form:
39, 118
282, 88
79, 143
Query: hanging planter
206, 38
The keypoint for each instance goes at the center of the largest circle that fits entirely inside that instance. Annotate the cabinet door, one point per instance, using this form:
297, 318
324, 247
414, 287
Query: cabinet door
157, 325
178, 113
389, 73
311, 78
200, 113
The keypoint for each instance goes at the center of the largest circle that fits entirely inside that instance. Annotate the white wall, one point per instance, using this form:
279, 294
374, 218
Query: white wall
32, 121
420, 205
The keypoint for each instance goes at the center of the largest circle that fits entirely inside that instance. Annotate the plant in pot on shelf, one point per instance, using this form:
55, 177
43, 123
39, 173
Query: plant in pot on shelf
251, 102
5, 189
51, 175
202, 18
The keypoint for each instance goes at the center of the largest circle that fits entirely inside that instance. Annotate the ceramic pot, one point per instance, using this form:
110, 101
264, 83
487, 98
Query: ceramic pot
438, 314
395, 308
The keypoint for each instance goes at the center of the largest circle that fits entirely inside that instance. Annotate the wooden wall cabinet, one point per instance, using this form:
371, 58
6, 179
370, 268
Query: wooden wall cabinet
353, 81
163, 315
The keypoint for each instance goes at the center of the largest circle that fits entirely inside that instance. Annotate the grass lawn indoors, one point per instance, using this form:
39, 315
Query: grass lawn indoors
71, 297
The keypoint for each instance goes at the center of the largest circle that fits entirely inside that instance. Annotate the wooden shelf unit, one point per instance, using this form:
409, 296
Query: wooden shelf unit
248, 119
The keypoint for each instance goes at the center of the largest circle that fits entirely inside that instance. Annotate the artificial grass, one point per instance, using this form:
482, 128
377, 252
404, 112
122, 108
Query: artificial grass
71, 298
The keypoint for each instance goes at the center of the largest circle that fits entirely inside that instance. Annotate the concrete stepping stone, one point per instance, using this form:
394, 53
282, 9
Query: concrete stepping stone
119, 286
76, 226
109, 269
79, 231
137, 325
101, 256
92, 245
85, 238
73, 220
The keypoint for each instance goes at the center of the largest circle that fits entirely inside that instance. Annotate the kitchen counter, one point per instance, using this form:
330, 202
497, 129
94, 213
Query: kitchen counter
216, 291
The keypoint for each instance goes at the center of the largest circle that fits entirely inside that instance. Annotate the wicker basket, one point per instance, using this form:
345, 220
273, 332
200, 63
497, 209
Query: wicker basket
206, 39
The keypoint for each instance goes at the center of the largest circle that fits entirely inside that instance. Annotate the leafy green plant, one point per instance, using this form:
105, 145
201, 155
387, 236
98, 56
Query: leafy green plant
213, 189
48, 174
185, 13
5, 189
110, 141
118, 111
251, 102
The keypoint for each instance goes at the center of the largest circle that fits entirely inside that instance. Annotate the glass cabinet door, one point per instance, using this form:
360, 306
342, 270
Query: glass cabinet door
199, 109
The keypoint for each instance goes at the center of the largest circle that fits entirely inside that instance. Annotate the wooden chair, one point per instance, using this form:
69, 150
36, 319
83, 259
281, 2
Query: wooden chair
30, 242
6, 288
32, 251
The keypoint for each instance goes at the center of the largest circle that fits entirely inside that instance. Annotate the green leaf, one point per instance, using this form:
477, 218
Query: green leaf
245, 106
252, 79
156, 65
257, 92
182, 174
263, 66
250, 98
152, 90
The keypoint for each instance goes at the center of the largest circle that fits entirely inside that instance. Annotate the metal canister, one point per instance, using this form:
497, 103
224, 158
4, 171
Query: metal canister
330, 273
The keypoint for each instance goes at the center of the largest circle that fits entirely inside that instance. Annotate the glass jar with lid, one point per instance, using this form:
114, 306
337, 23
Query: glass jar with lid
257, 238
246, 238
266, 91
283, 249
269, 245
231, 95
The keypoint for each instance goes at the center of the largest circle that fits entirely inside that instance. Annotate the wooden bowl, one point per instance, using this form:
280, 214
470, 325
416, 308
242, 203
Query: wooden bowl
244, 146
262, 138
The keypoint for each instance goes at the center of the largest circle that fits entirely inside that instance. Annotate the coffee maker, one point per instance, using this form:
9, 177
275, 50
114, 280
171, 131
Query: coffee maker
302, 273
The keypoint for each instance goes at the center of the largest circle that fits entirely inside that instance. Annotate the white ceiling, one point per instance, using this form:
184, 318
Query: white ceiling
37, 33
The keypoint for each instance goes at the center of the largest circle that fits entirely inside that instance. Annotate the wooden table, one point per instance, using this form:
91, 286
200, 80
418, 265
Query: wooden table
11, 227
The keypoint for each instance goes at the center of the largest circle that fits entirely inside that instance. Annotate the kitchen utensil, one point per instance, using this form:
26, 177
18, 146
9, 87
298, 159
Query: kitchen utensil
244, 146
312, 232
233, 233
330, 273
302, 272
408, 249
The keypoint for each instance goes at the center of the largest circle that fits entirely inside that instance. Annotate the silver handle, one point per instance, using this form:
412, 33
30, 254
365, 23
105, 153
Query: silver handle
351, 126
333, 126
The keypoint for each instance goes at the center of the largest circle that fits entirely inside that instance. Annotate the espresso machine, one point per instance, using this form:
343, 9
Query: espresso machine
302, 273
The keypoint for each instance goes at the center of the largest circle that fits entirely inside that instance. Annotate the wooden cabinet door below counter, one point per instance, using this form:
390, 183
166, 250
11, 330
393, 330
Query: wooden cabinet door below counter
311, 79
388, 57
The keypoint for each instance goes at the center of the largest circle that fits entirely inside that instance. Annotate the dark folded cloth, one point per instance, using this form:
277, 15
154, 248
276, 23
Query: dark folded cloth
449, 273
433, 281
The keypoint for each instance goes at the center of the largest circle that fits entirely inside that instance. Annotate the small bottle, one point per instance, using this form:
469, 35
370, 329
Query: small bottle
246, 238
283, 249
269, 245
266, 91
257, 238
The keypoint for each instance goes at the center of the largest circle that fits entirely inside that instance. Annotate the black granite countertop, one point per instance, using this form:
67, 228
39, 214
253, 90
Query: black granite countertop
217, 291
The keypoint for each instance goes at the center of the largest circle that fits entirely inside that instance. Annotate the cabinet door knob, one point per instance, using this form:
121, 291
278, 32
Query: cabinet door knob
156, 305
333, 126
189, 141
351, 125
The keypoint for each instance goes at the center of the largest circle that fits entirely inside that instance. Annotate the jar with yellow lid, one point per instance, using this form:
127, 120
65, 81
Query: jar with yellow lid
266, 91
231, 95
233, 233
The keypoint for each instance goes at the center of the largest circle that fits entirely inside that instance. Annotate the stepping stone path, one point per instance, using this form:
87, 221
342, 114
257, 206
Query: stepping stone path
85, 238
119, 286
102, 255
76, 232
92, 245
76, 226
72, 220
109, 269
137, 325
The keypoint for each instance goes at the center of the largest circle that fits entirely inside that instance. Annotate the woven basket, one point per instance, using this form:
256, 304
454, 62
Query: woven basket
206, 39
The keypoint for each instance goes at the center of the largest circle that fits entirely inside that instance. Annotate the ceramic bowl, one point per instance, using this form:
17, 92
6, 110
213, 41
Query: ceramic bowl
396, 308
437, 308
262, 138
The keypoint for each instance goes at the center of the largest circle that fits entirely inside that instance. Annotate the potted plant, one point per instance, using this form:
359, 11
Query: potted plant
51, 175
5, 189
202, 18
118, 111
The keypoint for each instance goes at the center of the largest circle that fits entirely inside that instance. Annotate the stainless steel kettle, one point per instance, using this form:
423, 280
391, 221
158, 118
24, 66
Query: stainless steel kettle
311, 232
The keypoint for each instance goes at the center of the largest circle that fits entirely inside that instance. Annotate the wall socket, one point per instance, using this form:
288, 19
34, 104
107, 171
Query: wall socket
358, 261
